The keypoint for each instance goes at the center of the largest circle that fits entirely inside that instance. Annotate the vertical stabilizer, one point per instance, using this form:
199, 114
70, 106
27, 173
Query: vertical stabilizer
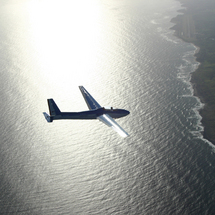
53, 108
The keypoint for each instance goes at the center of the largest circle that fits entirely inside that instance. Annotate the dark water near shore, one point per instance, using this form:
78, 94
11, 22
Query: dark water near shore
124, 54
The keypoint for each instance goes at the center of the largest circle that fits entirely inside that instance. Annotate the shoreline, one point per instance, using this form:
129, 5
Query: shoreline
186, 30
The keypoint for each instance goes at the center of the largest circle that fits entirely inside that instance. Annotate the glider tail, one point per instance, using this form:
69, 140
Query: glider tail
53, 110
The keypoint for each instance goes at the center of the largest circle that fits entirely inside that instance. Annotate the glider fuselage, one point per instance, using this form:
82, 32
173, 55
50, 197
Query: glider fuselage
91, 114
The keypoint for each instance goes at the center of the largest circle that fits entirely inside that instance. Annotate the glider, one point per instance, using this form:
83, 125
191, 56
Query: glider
95, 111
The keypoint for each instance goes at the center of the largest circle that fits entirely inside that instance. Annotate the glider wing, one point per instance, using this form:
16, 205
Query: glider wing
91, 102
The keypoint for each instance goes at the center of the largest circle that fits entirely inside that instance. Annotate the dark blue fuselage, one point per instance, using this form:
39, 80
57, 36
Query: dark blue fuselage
91, 114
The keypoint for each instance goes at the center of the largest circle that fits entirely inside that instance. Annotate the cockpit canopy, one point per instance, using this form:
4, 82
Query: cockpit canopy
109, 108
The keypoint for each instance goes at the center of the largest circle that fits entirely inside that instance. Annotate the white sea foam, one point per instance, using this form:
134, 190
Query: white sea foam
166, 36
185, 71
185, 76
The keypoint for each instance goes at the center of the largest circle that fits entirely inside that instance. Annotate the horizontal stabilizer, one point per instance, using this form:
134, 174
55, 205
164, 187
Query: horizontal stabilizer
48, 118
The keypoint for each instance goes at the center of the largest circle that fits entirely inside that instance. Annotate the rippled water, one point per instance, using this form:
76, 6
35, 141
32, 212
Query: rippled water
125, 55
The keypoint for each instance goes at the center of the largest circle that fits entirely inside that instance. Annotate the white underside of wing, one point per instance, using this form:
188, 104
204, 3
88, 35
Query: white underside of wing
109, 121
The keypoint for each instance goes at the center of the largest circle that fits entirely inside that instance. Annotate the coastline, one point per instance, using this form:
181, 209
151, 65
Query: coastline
189, 28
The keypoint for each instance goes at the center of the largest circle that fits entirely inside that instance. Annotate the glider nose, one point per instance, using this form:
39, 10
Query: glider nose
126, 112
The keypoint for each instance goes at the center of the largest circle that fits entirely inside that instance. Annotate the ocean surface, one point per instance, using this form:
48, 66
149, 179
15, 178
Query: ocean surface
126, 56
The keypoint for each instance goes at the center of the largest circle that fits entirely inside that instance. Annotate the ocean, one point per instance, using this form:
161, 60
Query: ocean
126, 56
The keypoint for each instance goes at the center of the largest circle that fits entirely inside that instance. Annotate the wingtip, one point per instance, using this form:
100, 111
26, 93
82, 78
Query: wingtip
124, 135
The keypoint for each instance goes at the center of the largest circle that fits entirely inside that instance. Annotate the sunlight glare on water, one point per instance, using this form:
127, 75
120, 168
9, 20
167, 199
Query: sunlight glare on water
66, 37
124, 54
